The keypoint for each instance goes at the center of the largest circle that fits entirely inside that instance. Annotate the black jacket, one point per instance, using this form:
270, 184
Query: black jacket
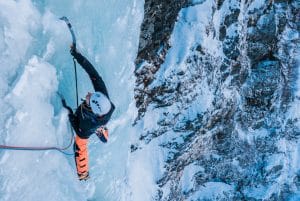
84, 121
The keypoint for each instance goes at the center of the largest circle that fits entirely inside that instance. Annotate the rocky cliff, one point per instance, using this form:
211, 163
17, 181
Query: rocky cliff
219, 81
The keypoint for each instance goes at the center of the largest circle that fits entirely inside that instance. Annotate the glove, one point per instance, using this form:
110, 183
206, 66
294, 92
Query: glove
102, 134
63, 102
73, 51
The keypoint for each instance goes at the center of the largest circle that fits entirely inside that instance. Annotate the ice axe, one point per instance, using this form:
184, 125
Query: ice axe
64, 18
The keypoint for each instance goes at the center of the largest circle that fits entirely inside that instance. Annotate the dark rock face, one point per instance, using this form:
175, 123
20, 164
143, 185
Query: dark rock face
249, 89
157, 26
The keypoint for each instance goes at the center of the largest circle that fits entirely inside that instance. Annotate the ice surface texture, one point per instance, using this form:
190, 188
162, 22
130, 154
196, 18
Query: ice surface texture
35, 64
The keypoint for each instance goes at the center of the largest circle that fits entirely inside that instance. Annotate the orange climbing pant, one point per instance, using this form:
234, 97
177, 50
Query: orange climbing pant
81, 155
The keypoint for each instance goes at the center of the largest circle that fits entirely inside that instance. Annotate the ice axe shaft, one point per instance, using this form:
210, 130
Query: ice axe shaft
64, 18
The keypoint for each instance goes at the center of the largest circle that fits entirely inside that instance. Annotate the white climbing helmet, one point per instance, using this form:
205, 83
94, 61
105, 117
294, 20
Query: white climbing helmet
99, 103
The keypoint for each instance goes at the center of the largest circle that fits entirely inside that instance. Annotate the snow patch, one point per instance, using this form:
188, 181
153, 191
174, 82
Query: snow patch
257, 192
212, 191
256, 4
187, 179
190, 29
146, 167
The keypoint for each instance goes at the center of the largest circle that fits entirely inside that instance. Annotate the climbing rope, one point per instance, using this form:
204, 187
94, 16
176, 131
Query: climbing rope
23, 148
60, 149
41, 148
75, 70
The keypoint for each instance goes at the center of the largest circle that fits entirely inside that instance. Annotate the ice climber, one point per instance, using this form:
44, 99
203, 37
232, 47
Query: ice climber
90, 117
